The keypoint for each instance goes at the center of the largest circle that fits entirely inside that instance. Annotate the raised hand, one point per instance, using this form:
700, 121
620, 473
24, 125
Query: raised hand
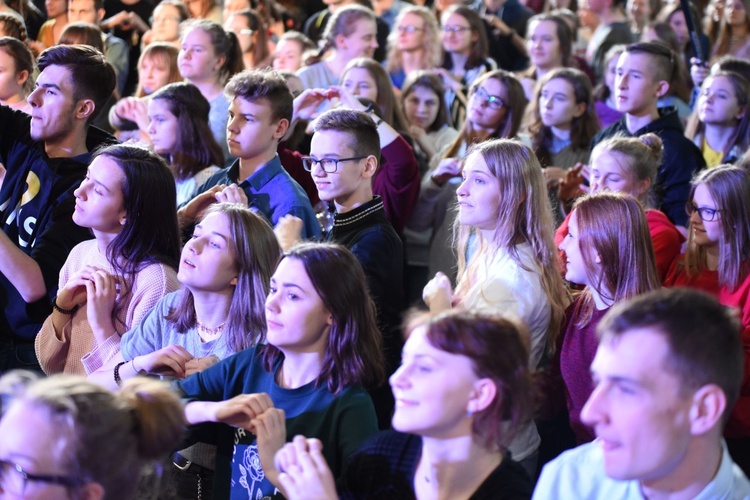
438, 293
305, 474
446, 170
101, 293
270, 430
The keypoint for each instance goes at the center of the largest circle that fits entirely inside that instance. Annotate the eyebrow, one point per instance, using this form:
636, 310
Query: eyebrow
49, 86
98, 183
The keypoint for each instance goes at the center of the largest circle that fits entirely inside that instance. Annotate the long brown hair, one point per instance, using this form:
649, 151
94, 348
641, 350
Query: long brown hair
508, 128
256, 253
524, 216
582, 128
166, 55
433, 51
354, 353
613, 226
729, 186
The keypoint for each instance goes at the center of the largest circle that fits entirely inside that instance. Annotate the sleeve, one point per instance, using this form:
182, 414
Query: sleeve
216, 382
117, 54
667, 243
151, 285
428, 210
148, 335
398, 182
674, 179
549, 382
311, 229
356, 423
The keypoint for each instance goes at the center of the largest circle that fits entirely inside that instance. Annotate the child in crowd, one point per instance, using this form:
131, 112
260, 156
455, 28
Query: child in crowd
322, 347
291, 50
17, 62
178, 130
108, 284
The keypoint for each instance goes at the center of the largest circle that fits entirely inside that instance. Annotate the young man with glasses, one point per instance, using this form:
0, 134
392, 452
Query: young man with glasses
643, 75
259, 113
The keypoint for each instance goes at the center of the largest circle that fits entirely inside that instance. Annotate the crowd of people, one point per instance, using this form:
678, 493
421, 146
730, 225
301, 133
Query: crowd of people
374, 249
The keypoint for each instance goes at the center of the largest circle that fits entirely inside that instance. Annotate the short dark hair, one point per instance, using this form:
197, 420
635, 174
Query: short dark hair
358, 124
253, 85
92, 75
665, 63
703, 336
354, 352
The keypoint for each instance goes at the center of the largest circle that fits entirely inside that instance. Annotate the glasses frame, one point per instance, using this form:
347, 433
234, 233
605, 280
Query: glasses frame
454, 29
7, 466
408, 29
691, 207
308, 162
491, 100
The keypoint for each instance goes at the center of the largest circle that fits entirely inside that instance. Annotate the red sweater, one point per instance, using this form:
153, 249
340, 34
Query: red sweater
396, 181
666, 239
708, 281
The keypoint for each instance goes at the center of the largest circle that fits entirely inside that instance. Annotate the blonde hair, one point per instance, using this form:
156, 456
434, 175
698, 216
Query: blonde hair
141, 422
524, 216
432, 46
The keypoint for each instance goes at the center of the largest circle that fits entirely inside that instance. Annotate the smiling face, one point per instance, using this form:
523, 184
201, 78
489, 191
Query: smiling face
362, 42
208, 262
351, 179
638, 409
636, 89
31, 441
432, 389
421, 107
53, 108
557, 104
360, 83
197, 59
705, 233
99, 198
478, 195
609, 172
718, 104
163, 128
298, 320
544, 45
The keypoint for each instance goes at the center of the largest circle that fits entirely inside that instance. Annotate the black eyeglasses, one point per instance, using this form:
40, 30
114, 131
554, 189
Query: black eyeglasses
492, 101
408, 29
13, 479
706, 214
329, 165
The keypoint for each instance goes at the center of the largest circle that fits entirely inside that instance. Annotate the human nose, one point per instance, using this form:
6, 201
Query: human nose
80, 192
34, 98
594, 411
399, 377
463, 189
272, 302
547, 103
621, 81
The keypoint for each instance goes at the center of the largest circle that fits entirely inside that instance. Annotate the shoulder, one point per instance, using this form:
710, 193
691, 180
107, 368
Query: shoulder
508, 481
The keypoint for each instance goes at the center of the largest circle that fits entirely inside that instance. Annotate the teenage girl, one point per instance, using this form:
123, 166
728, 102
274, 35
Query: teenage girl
251, 34
506, 258
178, 129
413, 44
604, 93
322, 346
550, 46
463, 386
717, 261
108, 284
608, 252
17, 68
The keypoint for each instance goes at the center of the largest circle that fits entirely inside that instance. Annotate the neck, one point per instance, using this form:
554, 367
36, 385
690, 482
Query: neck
691, 475
209, 87
610, 16
73, 144
635, 122
211, 307
600, 302
719, 137
412, 60
104, 239
353, 200
458, 60
247, 60
739, 30
14, 99
337, 62
479, 133
248, 166
455, 467
299, 369
561, 133
712, 257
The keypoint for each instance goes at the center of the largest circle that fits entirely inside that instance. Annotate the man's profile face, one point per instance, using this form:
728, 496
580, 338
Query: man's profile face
638, 410
82, 11
52, 104
348, 176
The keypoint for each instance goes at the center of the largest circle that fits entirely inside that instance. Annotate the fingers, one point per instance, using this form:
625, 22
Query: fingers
232, 194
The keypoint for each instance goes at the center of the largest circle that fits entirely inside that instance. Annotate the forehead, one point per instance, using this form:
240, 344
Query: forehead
720, 82
639, 354
422, 92
82, 4
608, 161
455, 19
260, 108
216, 222
292, 271
411, 19
158, 106
166, 9
364, 27
636, 61
56, 75
559, 85
493, 86
332, 142
544, 26
702, 197
475, 163
358, 74
288, 45
28, 436
198, 37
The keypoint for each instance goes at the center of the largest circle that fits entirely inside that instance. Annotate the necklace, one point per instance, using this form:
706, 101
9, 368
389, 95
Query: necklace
207, 331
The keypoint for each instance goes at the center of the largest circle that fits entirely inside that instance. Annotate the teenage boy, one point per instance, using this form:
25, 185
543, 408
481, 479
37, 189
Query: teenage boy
259, 113
668, 371
46, 156
644, 71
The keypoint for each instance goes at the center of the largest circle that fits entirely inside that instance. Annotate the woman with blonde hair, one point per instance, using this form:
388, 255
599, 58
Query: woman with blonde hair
55, 430
414, 44
734, 31
507, 262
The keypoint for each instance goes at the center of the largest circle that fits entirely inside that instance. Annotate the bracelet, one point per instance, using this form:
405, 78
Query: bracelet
67, 312
137, 370
377, 123
118, 380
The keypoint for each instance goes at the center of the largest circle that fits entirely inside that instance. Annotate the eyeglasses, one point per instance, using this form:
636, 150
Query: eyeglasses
329, 165
408, 29
493, 101
706, 214
13, 479
164, 20
455, 29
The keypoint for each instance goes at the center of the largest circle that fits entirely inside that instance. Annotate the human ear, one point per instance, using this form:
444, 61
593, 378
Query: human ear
707, 409
742, 112
91, 491
85, 108
643, 185
23, 76
234, 281
371, 166
662, 88
100, 15
281, 128
580, 110
482, 395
